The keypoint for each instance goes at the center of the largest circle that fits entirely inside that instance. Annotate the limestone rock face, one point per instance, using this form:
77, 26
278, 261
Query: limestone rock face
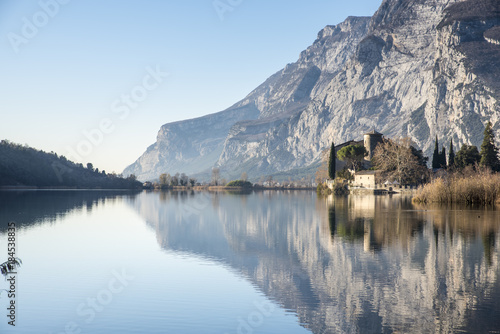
189, 146
417, 68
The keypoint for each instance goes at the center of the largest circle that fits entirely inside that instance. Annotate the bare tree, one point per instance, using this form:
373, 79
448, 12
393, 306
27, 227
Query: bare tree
322, 171
165, 179
184, 179
175, 180
269, 180
215, 176
399, 160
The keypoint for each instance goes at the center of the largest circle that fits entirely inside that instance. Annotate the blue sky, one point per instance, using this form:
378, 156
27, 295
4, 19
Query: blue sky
87, 78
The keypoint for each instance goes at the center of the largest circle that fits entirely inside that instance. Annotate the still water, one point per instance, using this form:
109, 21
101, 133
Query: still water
266, 262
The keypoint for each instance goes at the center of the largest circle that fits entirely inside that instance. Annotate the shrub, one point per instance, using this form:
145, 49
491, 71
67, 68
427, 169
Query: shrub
239, 183
323, 189
345, 174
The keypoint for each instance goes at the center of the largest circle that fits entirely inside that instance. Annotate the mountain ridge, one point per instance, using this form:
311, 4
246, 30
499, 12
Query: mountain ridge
412, 69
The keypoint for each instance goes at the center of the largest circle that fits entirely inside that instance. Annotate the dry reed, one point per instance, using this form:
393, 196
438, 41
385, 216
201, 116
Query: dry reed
467, 187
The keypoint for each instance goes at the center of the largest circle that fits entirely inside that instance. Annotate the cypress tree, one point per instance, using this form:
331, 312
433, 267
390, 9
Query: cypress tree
442, 158
451, 155
331, 163
435, 155
489, 152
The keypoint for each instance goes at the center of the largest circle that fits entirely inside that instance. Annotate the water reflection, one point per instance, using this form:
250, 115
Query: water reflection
26, 208
376, 221
348, 264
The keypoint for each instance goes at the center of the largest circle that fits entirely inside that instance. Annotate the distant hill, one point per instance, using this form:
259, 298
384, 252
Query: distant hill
26, 166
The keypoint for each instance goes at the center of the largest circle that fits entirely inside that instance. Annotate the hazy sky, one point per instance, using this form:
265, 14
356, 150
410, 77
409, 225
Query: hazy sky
88, 78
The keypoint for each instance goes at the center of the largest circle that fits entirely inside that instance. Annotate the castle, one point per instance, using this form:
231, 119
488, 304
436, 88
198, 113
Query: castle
370, 141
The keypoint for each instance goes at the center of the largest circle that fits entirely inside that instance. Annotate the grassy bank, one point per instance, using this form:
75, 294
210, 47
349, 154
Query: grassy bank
471, 187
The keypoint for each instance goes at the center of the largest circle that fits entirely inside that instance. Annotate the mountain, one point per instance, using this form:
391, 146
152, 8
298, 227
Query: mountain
417, 68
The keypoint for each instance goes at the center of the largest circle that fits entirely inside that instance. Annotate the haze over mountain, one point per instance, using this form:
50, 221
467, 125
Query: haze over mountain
418, 68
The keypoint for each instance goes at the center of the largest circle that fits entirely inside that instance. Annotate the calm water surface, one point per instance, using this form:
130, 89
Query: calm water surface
267, 262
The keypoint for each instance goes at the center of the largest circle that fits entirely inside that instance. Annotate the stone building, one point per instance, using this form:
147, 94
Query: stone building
371, 140
367, 178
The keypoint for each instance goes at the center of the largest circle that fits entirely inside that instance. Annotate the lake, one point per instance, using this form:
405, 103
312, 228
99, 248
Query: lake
262, 262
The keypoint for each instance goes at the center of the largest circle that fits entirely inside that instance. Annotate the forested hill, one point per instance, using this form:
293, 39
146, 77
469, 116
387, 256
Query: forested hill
26, 166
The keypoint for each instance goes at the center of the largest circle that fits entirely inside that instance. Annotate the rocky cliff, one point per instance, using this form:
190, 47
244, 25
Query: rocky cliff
417, 68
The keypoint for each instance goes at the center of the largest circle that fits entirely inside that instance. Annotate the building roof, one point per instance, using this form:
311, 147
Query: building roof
367, 172
373, 133
350, 142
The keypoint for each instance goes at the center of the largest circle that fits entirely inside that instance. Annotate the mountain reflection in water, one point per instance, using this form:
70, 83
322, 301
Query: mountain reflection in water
345, 264
366, 264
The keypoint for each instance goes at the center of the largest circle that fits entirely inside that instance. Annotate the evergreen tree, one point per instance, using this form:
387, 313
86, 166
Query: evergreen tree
331, 163
489, 152
442, 157
435, 155
353, 155
467, 156
451, 155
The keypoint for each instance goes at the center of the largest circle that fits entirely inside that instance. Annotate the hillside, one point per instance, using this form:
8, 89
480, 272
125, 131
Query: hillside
22, 166
417, 68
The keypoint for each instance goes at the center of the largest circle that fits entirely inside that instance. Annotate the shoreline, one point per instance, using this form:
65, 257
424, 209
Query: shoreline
31, 188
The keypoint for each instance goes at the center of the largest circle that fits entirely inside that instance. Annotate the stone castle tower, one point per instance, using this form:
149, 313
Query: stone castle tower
371, 140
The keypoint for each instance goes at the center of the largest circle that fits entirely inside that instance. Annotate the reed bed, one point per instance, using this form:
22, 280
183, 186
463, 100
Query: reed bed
468, 187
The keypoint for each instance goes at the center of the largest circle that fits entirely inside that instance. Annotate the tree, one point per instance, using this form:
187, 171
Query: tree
467, 155
183, 180
422, 160
90, 166
353, 155
331, 162
192, 181
345, 174
438, 157
435, 156
244, 176
215, 176
322, 171
165, 179
175, 180
451, 155
442, 157
489, 152
399, 160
